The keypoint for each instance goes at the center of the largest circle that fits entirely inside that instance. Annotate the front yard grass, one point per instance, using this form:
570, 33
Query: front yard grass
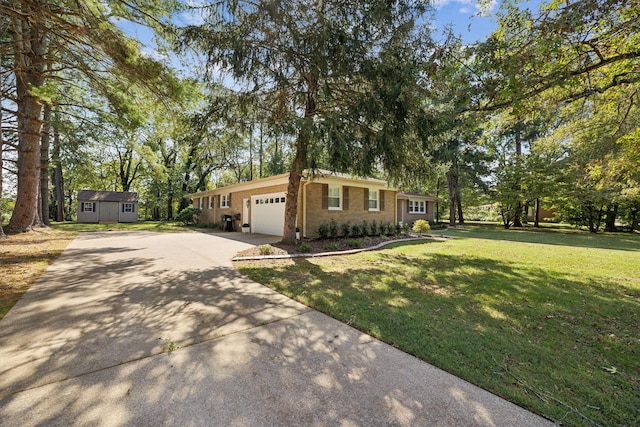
549, 321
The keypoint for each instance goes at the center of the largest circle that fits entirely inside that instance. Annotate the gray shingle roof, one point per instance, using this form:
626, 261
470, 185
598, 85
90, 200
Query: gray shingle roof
107, 196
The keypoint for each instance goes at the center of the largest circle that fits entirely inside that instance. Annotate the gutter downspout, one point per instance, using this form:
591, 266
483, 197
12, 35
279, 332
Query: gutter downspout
395, 211
304, 208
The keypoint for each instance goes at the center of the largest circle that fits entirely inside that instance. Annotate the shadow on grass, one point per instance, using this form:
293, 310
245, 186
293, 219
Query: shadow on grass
489, 322
560, 237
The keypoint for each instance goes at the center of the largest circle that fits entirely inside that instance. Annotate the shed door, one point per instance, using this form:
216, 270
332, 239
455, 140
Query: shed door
267, 214
108, 212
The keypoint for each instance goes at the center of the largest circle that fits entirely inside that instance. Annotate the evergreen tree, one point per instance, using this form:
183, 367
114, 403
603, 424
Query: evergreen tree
340, 77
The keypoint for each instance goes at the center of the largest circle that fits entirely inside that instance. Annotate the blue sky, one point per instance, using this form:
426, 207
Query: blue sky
473, 20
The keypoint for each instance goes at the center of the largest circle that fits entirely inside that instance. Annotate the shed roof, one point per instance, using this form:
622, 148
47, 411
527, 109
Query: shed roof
107, 196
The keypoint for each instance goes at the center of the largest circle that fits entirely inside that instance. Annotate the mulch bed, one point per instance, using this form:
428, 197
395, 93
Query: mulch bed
320, 246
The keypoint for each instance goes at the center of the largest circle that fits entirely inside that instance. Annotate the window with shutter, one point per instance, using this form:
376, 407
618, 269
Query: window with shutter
372, 200
345, 198
334, 197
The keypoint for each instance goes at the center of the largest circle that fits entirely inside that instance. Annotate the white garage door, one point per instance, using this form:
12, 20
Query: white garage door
267, 214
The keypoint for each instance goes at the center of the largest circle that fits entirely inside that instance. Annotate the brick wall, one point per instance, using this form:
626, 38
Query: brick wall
316, 215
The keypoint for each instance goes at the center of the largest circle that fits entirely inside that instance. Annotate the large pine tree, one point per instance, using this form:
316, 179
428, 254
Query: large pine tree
341, 76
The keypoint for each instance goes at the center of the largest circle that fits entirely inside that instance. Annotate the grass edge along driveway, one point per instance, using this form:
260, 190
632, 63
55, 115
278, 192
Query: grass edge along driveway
553, 327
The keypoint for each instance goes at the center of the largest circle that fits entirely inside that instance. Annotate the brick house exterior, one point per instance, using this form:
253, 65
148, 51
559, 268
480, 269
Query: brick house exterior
413, 206
322, 197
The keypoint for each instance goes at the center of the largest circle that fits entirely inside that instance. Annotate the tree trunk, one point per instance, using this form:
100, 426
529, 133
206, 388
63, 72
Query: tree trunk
298, 165
127, 175
458, 199
610, 221
58, 180
437, 212
30, 47
2, 158
536, 222
169, 206
260, 153
43, 211
517, 222
452, 199
69, 206
184, 203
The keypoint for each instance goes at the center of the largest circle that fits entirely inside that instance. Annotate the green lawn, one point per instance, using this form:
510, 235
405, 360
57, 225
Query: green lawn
161, 226
548, 320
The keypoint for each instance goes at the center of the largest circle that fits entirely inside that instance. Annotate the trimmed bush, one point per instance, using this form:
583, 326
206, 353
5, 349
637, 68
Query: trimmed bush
373, 228
364, 228
323, 231
355, 244
333, 246
356, 230
265, 250
346, 229
421, 226
188, 216
304, 247
333, 229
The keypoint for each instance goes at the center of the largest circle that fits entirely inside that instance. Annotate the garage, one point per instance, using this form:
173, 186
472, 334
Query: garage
267, 214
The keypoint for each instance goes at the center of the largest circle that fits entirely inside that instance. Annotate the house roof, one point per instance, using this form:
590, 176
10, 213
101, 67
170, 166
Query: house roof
418, 196
107, 196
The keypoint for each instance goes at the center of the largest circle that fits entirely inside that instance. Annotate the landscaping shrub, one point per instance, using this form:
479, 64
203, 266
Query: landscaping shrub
266, 250
304, 247
398, 229
323, 231
356, 230
421, 226
364, 228
346, 229
391, 230
188, 216
373, 228
333, 229
354, 243
333, 246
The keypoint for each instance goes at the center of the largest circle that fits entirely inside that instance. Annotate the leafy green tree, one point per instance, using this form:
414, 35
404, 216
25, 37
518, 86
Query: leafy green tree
48, 36
340, 77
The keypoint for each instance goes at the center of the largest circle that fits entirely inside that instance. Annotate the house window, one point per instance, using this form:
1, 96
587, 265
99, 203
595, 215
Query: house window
417, 206
335, 197
200, 203
210, 202
127, 207
373, 200
224, 200
87, 207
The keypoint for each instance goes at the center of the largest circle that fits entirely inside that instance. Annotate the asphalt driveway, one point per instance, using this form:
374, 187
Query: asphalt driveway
140, 328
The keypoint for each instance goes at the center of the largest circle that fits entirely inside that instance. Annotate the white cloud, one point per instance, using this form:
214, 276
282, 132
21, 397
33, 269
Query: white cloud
482, 7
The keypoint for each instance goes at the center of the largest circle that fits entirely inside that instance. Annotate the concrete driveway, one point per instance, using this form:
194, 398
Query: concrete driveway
138, 328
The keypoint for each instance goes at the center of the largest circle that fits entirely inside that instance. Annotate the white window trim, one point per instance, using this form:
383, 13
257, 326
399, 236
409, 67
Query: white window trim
210, 202
377, 199
87, 206
339, 207
224, 201
200, 203
422, 203
126, 205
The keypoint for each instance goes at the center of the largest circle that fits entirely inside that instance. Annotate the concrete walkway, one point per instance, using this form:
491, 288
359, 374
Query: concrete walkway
159, 329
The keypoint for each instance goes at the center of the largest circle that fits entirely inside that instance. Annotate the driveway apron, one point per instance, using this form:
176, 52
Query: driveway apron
140, 328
